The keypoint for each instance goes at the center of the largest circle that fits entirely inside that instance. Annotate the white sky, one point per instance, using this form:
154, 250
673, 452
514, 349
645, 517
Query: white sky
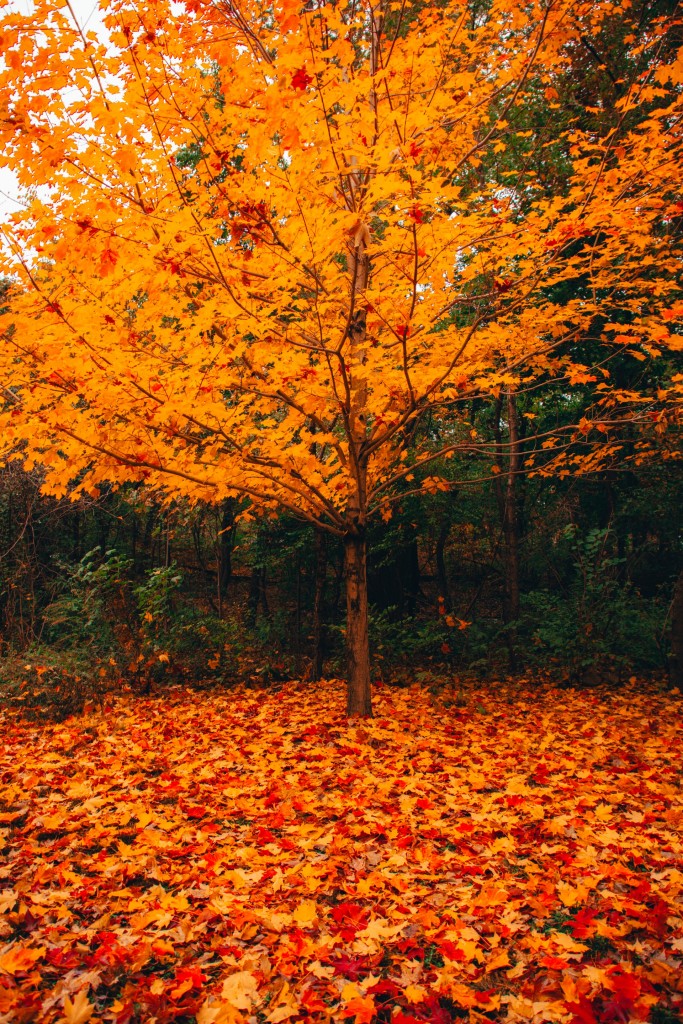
88, 16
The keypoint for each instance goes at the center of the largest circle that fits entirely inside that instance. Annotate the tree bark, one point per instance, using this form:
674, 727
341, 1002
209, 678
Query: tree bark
441, 573
511, 511
676, 656
257, 596
357, 641
355, 540
358, 701
319, 605
225, 545
507, 500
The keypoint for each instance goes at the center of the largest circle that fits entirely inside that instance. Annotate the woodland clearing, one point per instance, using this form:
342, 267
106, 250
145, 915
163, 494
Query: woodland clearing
505, 853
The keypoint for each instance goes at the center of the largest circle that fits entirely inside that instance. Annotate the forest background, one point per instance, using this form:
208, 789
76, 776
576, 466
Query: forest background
125, 589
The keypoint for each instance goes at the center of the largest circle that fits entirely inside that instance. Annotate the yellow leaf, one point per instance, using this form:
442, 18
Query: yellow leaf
379, 929
218, 1013
20, 959
469, 948
241, 990
501, 960
306, 913
491, 896
573, 895
283, 1010
415, 993
567, 942
78, 1011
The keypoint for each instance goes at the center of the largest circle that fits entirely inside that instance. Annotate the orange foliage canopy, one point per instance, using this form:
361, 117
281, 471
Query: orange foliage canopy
514, 853
271, 238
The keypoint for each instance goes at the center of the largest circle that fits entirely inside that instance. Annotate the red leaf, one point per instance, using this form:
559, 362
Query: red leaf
351, 967
581, 923
196, 812
301, 79
583, 1012
450, 950
555, 963
626, 986
350, 914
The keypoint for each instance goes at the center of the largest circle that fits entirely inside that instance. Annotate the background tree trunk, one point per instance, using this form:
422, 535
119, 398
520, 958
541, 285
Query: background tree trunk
357, 642
441, 573
319, 605
507, 500
676, 657
225, 540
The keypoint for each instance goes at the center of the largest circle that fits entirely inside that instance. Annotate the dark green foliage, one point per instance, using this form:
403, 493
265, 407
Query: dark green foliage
93, 602
403, 641
598, 627
664, 1015
175, 638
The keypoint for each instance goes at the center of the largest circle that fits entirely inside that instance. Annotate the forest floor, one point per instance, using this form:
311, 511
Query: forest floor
514, 854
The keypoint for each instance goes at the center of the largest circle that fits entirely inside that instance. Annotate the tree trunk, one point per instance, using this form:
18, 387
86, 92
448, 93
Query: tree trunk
318, 605
297, 618
441, 573
357, 641
511, 511
253, 597
507, 499
225, 546
148, 539
676, 656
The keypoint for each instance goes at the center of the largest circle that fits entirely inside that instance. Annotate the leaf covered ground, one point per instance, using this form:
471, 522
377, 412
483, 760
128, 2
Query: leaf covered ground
249, 856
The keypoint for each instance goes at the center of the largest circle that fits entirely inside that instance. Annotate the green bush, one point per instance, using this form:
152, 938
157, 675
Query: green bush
93, 609
178, 639
102, 631
404, 640
601, 627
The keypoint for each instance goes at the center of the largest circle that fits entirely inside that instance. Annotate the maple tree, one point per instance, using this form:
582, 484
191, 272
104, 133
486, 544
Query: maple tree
273, 242
516, 856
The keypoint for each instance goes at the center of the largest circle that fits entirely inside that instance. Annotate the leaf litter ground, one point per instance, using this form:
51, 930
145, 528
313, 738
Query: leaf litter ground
254, 856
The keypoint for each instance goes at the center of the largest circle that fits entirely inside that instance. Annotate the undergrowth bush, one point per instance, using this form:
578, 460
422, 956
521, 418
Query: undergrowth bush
179, 639
403, 641
601, 628
597, 628
93, 609
104, 631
